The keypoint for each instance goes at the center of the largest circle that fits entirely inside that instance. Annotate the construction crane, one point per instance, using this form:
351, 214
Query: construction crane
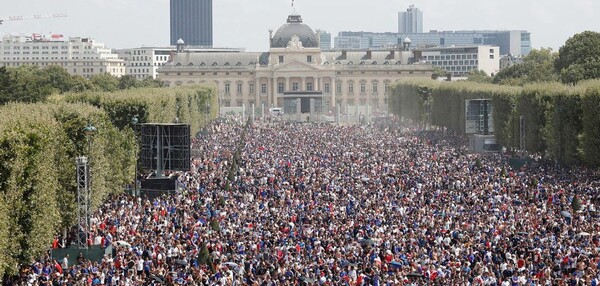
34, 17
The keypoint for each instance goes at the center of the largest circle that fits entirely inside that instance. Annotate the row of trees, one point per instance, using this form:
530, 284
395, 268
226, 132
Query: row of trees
29, 83
190, 105
561, 121
40, 141
577, 60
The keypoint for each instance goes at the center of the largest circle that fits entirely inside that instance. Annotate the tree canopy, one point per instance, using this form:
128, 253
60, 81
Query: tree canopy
537, 66
30, 84
579, 58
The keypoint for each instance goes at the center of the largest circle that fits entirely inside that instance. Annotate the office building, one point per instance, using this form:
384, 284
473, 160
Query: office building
515, 42
411, 21
296, 74
324, 39
78, 56
191, 20
459, 61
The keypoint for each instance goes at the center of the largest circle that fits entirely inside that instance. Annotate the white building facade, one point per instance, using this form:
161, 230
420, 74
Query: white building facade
78, 56
144, 62
297, 75
459, 61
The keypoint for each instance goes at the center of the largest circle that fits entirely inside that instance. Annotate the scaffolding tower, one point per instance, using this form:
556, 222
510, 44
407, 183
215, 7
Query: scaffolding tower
83, 195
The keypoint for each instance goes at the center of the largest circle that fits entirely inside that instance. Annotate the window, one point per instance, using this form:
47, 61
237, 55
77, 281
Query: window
491, 51
363, 87
309, 59
326, 87
295, 86
251, 87
239, 88
338, 88
374, 87
280, 87
491, 57
227, 88
350, 88
280, 59
386, 87
309, 86
263, 88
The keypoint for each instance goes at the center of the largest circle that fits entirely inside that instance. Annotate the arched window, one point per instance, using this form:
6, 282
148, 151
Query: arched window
215, 64
178, 64
386, 63
190, 64
361, 63
227, 64
202, 64
374, 63
238, 64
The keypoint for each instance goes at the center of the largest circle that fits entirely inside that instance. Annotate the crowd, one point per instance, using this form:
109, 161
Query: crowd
311, 204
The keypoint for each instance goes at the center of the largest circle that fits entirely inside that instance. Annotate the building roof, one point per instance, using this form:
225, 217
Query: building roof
295, 27
216, 59
357, 57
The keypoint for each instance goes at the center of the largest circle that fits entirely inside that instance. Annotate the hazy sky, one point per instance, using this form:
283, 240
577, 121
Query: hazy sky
245, 23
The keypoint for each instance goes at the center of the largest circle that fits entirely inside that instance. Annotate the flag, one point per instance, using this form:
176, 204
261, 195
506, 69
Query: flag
292, 3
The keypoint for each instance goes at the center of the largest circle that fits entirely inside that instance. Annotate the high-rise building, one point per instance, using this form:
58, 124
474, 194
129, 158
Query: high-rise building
410, 21
191, 20
324, 39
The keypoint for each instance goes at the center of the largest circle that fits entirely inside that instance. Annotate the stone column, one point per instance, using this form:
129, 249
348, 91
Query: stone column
287, 84
312, 109
303, 84
274, 93
298, 109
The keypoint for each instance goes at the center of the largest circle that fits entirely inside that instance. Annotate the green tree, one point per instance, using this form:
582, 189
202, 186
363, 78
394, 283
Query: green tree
105, 82
23, 84
537, 66
80, 84
150, 82
479, 76
127, 82
56, 78
579, 58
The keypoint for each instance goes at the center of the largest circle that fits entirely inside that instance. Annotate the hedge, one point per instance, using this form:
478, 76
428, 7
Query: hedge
38, 146
192, 105
561, 121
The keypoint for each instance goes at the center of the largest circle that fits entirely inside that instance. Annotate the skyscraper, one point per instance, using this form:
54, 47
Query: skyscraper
191, 20
410, 21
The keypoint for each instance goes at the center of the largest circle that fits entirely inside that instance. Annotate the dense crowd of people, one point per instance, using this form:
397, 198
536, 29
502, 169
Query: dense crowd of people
324, 204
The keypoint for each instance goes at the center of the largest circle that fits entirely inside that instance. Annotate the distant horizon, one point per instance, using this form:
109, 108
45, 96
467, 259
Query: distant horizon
244, 25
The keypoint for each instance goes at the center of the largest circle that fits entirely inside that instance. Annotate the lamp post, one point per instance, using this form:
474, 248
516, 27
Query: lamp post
514, 112
89, 132
207, 114
134, 122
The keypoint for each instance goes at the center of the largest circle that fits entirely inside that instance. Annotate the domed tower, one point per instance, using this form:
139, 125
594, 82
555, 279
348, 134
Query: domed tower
294, 32
180, 45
